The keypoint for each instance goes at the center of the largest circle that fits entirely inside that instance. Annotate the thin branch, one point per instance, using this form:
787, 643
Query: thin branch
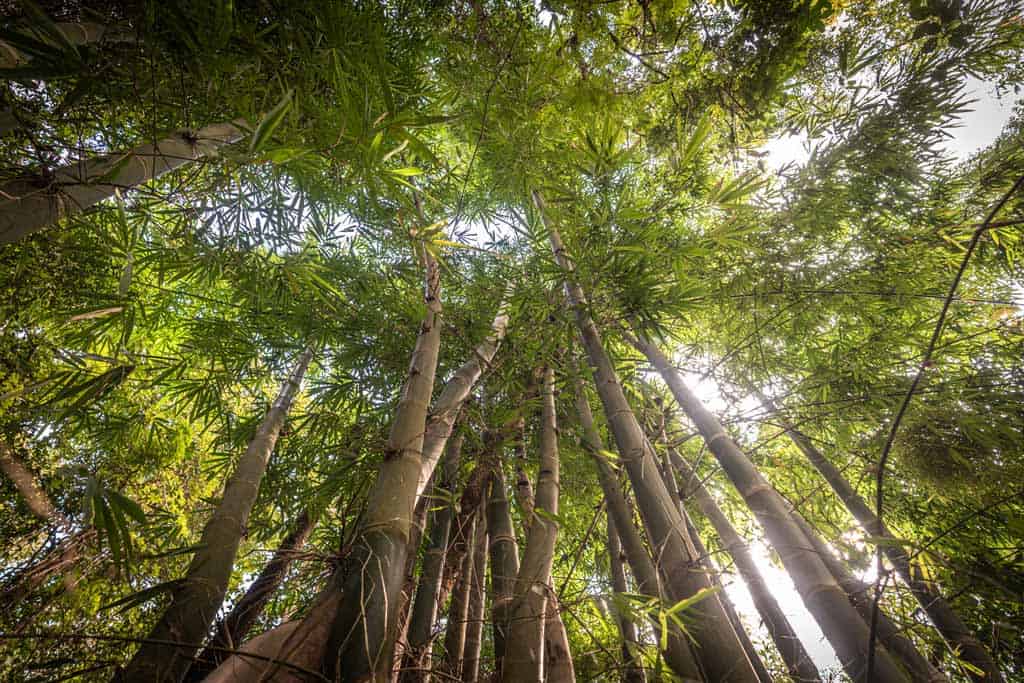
925, 364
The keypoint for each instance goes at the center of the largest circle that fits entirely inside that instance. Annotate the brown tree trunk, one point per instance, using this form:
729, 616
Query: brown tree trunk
27, 206
419, 521
458, 613
59, 561
425, 606
823, 597
232, 629
524, 648
524, 489
312, 635
65, 553
678, 653
668, 472
721, 653
799, 664
477, 603
947, 622
196, 601
35, 498
504, 563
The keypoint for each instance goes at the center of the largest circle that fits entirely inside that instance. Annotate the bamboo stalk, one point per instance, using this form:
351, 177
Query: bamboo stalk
722, 656
678, 653
196, 601
416, 661
28, 206
233, 628
524, 650
361, 642
944, 618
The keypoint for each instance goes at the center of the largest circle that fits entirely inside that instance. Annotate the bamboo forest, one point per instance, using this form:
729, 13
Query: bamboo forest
512, 341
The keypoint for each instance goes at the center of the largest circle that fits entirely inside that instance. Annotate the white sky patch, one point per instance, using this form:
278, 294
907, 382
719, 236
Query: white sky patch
981, 126
787, 149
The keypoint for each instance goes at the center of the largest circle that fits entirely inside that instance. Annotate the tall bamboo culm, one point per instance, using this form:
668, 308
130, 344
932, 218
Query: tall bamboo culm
197, 599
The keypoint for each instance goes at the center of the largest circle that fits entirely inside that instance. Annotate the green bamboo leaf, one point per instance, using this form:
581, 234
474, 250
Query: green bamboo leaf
686, 603
143, 596
697, 140
406, 172
270, 122
127, 505
107, 525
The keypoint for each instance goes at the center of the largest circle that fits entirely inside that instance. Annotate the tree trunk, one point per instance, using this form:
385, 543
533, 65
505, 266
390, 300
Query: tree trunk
289, 653
57, 562
425, 606
860, 596
231, 631
65, 553
730, 609
799, 664
524, 648
947, 622
35, 498
678, 654
461, 535
477, 603
196, 601
633, 671
456, 390
504, 563
558, 665
524, 489
409, 584
27, 206
362, 637
721, 653
823, 597
458, 613
668, 472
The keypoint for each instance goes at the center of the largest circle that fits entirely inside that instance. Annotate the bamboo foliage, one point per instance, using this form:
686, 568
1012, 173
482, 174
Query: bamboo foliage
777, 195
